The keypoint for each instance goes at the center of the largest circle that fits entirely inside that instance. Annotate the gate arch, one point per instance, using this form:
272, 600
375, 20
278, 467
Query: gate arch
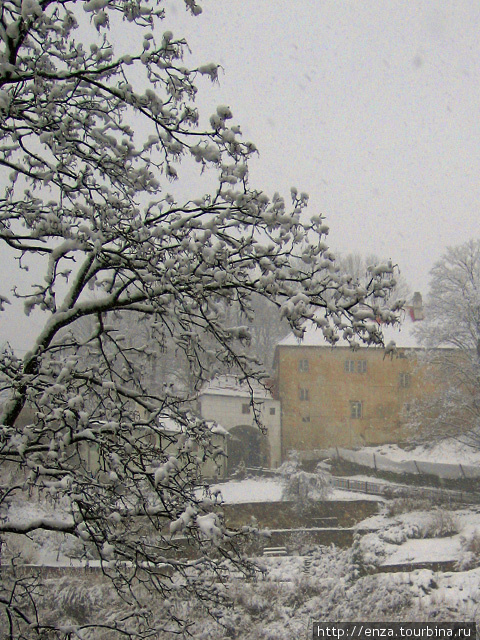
247, 444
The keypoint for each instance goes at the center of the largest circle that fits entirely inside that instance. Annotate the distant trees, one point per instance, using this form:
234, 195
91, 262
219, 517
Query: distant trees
90, 142
451, 335
166, 365
265, 325
360, 268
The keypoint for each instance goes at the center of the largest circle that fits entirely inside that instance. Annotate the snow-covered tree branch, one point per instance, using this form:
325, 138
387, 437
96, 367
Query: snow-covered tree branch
90, 143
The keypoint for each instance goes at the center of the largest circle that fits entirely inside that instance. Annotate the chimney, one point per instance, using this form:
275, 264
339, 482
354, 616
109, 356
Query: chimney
416, 308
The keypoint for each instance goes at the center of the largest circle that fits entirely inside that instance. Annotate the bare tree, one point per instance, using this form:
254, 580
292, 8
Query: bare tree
89, 143
450, 334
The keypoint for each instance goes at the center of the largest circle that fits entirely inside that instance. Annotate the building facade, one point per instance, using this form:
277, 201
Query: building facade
337, 396
229, 402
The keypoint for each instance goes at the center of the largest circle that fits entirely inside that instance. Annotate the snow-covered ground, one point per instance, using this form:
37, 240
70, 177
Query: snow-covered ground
449, 459
448, 451
428, 550
334, 584
338, 583
271, 489
250, 490
416, 537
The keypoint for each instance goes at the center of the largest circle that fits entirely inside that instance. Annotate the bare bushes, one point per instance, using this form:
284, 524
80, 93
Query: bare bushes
441, 524
470, 557
406, 505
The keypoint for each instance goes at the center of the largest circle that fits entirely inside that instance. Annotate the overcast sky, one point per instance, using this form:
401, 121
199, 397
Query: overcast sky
372, 108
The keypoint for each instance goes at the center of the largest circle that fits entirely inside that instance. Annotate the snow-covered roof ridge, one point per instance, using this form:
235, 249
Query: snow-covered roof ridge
231, 385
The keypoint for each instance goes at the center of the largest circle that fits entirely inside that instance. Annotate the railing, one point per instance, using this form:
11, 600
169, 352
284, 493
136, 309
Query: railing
400, 491
390, 490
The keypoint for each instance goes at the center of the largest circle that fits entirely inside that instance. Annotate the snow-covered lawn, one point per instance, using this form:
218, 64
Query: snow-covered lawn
250, 490
271, 489
428, 550
283, 604
414, 537
330, 583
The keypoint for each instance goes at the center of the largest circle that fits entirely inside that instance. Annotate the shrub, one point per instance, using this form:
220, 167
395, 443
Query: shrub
19, 549
441, 524
406, 505
399, 533
302, 487
470, 557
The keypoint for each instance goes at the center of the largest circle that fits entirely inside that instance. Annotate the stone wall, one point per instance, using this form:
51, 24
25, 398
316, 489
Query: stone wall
285, 515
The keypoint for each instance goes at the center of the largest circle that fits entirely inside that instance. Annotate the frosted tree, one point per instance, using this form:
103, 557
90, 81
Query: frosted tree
304, 488
90, 143
450, 334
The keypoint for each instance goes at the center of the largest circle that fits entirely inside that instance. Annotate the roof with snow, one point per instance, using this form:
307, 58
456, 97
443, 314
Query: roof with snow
230, 385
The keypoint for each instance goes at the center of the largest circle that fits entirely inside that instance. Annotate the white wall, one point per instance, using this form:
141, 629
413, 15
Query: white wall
227, 411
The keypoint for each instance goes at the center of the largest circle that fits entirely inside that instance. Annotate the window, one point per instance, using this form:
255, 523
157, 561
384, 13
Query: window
304, 394
349, 366
356, 409
272, 411
305, 418
245, 408
303, 365
361, 366
405, 380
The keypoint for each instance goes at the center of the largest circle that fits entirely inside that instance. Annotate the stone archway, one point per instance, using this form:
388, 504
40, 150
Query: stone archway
246, 444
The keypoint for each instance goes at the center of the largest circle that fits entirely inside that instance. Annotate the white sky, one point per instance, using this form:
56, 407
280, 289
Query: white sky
370, 107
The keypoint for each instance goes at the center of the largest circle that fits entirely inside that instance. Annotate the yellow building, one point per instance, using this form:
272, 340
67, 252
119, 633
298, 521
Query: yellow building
335, 396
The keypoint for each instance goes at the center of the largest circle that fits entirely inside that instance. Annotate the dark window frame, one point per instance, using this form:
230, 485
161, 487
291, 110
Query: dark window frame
361, 366
404, 379
356, 409
304, 394
349, 366
303, 365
